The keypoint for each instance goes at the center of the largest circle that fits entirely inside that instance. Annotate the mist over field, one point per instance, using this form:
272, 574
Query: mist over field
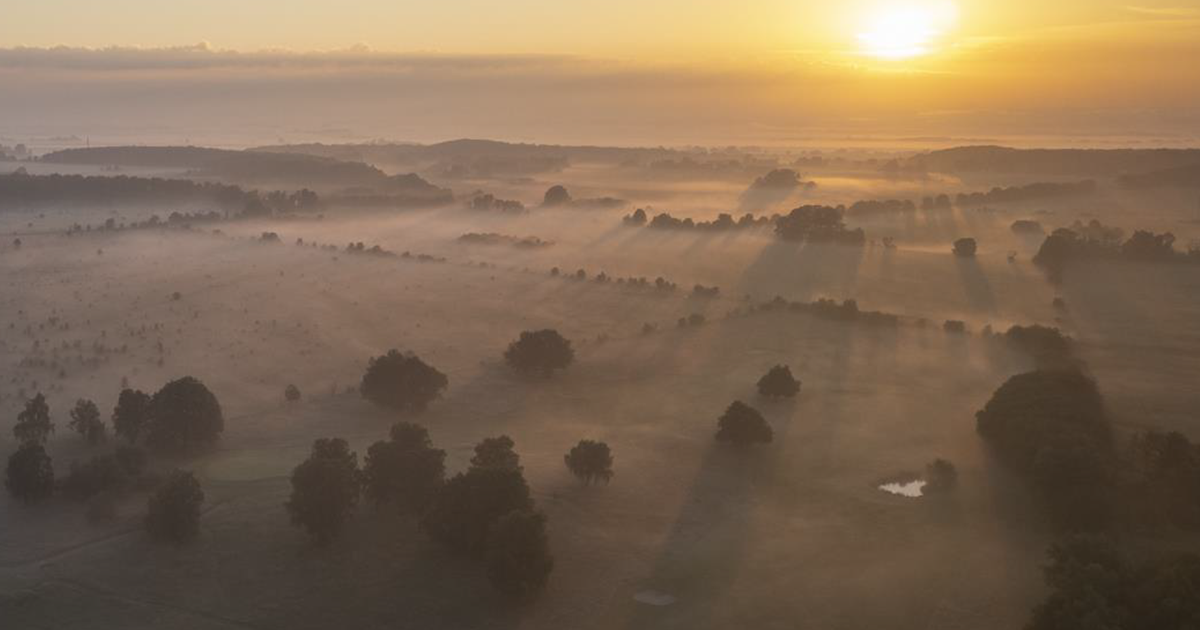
875, 315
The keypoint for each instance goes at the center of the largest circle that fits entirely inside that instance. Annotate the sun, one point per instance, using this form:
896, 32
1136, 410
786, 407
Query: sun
902, 31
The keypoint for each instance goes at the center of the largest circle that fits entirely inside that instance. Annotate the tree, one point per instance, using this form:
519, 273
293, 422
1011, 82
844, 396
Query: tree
33, 424
778, 382
129, 416
173, 511
402, 381
518, 554
590, 460
325, 489
556, 196
85, 420
183, 415
94, 476
965, 247
1050, 426
496, 452
470, 502
940, 476
541, 351
405, 470
30, 473
818, 224
743, 425
291, 393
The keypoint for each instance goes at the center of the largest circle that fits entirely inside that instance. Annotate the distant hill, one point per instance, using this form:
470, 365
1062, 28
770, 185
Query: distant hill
1179, 177
259, 168
1072, 162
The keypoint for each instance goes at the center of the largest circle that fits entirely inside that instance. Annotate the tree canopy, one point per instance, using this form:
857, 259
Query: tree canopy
183, 416
778, 382
402, 381
173, 511
129, 417
590, 461
325, 489
470, 503
30, 473
496, 452
405, 470
518, 554
85, 420
540, 351
743, 425
33, 422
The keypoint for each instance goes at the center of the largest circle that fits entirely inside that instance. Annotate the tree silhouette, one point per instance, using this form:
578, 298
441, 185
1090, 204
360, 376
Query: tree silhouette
183, 415
173, 511
940, 476
470, 502
33, 423
85, 420
130, 415
30, 473
964, 247
496, 452
518, 554
291, 393
402, 381
541, 351
405, 470
590, 461
743, 425
778, 382
325, 489
556, 196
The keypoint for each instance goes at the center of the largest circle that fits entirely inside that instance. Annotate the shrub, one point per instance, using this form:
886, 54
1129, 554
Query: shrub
325, 489
743, 425
518, 554
173, 512
778, 382
590, 461
405, 470
541, 351
30, 473
402, 381
183, 415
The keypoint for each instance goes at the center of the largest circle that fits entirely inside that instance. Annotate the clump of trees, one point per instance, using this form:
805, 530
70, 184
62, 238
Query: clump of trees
814, 223
325, 489
85, 420
743, 425
173, 511
965, 247
405, 470
590, 461
469, 503
778, 382
540, 351
1050, 426
1096, 240
29, 476
402, 381
182, 416
33, 422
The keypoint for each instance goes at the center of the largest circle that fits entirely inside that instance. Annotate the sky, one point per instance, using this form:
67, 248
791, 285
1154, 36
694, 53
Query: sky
620, 71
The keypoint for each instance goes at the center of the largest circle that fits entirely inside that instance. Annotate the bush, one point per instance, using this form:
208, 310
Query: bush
85, 420
540, 351
778, 382
940, 476
30, 473
743, 425
463, 512
291, 393
402, 381
405, 470
129, 416
325, 489
496, 452
589, 461
173, 512
965, 247
518, 554
33, 423
183, 415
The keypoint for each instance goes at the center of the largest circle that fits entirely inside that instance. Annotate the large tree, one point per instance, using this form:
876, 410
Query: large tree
540, 351
325, 489
173, 511
470, 503
402, 381
590, 461
30, 473
518, 554
184, 415
85, 420
405, 470
33, 423
129, 416
743, 425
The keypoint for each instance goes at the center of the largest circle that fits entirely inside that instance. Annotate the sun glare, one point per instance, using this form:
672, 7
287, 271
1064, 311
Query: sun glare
902, 31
